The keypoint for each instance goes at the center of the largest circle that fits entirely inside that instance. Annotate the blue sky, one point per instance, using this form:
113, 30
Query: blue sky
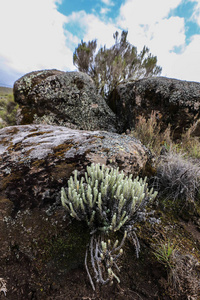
185, 10
107, 7
42, 34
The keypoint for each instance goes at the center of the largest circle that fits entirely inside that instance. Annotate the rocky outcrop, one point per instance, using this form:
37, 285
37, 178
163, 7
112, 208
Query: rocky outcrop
70, 99
176, 102
39, 245
62, 98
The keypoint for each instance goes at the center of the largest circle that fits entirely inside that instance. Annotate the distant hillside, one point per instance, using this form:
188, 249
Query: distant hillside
8, 108
5, 90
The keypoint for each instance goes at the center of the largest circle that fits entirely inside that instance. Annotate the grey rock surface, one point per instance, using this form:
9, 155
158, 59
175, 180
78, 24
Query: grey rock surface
175, 101
36, 160
62, 98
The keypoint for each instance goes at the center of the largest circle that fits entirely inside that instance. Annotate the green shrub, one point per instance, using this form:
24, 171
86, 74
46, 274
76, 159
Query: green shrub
108, 201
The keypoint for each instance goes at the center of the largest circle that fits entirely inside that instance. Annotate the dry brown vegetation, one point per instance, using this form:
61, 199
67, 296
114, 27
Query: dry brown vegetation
149, 132
177, 179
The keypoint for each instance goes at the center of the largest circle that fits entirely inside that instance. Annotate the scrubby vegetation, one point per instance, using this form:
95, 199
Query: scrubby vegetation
8, 108
176, 177
116, 209
177, 164
149, 132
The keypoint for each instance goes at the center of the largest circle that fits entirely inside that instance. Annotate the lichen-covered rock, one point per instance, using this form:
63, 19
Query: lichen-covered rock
62, 98
39, 245
176, 102
37, 159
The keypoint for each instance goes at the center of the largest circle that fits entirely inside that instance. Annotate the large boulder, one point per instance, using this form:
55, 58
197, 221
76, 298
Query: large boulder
36, 160
39, 245
175, 102
62, 98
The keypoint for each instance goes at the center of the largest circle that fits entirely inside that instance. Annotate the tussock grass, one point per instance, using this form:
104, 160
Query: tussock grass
177, 177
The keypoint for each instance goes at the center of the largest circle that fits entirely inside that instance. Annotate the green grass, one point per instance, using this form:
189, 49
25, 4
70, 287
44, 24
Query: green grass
8, 108
163, 253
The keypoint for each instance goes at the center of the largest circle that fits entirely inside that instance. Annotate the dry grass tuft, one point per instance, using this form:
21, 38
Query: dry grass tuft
185, 276
149, 133
190, 143
177, 177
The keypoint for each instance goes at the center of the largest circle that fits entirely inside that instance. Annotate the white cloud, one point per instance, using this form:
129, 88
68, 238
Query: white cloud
196, 13
93, 27
148, 24
32, 35
166, 35
145, 12
108, 2
185, 66
104, 11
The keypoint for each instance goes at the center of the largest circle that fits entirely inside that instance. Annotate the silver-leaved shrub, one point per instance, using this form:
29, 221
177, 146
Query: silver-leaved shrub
107, 201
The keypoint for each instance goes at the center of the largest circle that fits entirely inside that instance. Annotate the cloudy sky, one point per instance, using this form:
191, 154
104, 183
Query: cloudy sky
42, 34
